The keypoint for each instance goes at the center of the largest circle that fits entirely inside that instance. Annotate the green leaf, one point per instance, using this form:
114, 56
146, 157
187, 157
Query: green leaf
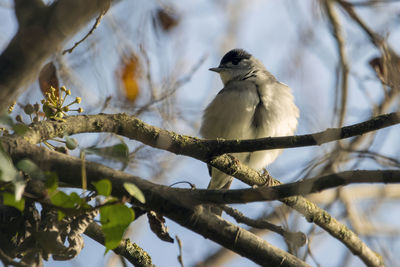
134, 191
71, 201
20, 128
51, 182
10, 200
62, 200
115, 219
76, 198
60, 215
30, 168
8, 172
103, 187
119, 152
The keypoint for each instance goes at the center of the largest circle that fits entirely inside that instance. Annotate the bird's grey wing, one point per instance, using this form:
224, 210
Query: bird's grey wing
276, 114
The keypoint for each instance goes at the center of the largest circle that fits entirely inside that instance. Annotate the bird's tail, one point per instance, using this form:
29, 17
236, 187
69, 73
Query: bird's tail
219, 180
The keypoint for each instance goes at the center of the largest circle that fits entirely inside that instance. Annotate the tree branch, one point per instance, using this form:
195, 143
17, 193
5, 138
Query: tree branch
299, 239
167, 201
40, 35
134, 128
204, 150
302, 188
339, 38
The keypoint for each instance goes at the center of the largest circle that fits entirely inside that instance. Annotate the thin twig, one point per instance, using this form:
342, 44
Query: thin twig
381, 159
172, 89
296, 238
375, 38
7, 260
372, 3
339, 38
95, 25
180, 259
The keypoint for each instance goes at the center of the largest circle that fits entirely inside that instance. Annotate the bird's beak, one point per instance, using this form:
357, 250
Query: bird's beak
218, 70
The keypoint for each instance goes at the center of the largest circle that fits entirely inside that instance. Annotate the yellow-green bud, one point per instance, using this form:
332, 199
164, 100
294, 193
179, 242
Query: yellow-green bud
18, 118
71, 143
29, 109
65, 109
78, 100
68, 92
80, 110
59, 115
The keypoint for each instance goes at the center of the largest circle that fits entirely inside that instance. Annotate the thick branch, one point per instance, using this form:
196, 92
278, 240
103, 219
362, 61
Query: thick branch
203, 150
41, 33
134, 128
164, 200
302, 188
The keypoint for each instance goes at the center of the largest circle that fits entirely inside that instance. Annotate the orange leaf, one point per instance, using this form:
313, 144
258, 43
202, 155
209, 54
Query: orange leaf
47, 78
129, 75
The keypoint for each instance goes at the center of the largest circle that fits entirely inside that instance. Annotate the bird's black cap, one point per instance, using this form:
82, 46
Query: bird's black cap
235, 55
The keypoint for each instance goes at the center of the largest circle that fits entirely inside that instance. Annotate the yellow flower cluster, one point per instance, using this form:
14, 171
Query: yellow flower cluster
53, 105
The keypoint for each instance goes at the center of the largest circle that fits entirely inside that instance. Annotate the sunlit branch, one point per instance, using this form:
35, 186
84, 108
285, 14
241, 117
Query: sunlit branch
134, 128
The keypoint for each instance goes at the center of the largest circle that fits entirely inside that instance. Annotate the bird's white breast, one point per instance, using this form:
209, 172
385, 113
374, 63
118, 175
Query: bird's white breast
230, 114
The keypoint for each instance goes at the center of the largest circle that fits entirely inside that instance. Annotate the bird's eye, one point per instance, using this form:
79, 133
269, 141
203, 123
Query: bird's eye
235, 61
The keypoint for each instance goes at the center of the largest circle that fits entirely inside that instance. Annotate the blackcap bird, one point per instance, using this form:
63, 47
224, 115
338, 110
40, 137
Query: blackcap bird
252, 104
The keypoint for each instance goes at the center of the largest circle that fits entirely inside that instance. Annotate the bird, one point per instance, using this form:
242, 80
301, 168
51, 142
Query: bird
252, 104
